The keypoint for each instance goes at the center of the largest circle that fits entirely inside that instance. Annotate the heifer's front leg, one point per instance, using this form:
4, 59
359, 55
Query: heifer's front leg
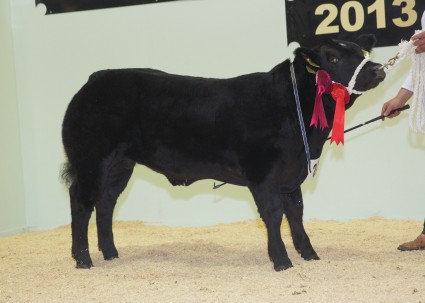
80, 213
294, 207
270, 207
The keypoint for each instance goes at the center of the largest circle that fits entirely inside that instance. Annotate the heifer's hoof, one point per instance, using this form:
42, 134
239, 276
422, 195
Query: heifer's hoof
310, 257
84, 265
83, 260
284, 266
112, 257
109, 253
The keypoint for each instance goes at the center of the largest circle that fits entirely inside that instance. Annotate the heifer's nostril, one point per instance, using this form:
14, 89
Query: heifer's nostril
380, 74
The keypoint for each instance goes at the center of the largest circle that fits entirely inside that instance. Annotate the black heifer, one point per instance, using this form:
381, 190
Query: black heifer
243, 131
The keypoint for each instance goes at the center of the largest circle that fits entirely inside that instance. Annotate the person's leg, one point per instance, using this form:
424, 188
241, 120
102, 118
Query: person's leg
417, 244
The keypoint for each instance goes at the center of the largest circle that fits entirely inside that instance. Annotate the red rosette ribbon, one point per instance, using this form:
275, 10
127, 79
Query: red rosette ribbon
324, 86
341, 96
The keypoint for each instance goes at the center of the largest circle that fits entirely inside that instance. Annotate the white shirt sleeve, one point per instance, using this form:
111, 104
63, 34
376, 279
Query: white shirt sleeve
408, 83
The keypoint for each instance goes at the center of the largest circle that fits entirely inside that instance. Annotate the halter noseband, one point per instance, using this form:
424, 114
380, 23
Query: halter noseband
352, 82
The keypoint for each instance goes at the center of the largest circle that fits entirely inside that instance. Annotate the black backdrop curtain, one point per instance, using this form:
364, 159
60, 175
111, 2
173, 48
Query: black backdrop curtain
64, 6
309, 22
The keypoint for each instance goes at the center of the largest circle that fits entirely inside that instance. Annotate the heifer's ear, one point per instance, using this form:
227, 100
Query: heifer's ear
310, 58
366, 41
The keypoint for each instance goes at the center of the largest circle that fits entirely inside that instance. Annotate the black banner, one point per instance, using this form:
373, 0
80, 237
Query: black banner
310, 21
64, 6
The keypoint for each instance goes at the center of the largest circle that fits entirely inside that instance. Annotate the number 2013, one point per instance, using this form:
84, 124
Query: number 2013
378, 8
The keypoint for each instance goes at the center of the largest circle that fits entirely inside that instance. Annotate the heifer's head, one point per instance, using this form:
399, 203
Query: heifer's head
341, 59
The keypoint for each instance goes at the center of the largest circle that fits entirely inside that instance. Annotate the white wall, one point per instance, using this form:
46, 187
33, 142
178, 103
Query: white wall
378, 172
12, 206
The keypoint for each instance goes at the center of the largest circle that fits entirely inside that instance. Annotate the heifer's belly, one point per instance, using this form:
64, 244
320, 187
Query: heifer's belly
181, 165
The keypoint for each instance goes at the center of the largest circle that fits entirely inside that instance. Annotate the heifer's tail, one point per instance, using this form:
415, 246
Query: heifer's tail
67, 173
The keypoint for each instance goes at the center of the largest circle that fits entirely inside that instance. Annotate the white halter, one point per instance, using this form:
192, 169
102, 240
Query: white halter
352, 82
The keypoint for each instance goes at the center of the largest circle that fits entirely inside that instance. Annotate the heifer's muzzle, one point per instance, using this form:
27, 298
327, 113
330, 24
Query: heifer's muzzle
379, 77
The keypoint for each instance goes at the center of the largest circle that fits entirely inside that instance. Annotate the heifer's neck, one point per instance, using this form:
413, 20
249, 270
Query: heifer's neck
306, 82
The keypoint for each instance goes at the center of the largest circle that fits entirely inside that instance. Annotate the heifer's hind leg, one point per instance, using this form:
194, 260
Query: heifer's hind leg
293, 204
80, 213
117, 171
270, 207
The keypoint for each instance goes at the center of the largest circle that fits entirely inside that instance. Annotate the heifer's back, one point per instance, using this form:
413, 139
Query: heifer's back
243, 130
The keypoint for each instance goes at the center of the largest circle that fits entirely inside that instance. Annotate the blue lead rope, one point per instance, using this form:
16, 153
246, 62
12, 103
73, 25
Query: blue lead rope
300, 116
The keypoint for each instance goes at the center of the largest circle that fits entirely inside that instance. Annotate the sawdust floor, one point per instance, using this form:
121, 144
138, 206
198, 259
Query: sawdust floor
224, 263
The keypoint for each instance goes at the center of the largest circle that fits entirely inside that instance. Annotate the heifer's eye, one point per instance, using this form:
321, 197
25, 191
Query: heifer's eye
334, 60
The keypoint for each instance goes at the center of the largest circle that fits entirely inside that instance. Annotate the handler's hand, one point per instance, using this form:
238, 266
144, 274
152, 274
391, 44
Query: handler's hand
419, 42
398, 101
391, 105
